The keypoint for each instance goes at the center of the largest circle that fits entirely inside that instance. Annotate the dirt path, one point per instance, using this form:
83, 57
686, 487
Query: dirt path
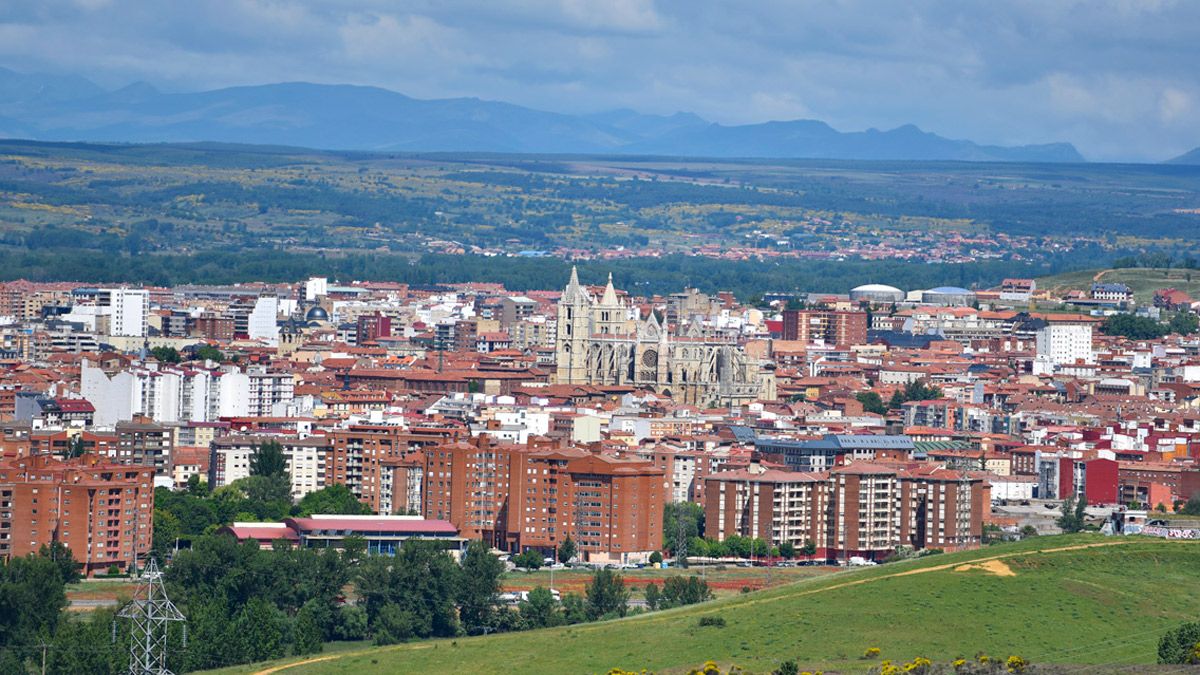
1100, 275
669, 616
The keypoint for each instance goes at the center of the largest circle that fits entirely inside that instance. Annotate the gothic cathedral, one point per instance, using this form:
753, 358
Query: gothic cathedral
603, 341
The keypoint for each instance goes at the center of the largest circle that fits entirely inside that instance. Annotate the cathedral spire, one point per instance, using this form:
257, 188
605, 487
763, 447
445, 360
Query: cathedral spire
610, 293
574, 293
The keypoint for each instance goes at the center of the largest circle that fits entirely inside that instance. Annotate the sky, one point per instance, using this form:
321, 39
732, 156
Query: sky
1118, 78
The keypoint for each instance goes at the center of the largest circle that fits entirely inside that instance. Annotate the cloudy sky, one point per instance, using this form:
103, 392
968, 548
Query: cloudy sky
1119, 78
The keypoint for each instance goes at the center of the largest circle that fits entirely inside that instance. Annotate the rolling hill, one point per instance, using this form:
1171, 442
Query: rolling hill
344, 117
1143, 281
1191, 157
1074, 600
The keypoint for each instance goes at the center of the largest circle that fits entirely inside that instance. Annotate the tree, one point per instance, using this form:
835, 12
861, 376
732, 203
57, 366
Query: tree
394, 625
1179, 646
918, 390
787, 550
566, 550
265, 497
197, 486
1133, 327
1028, 531
421, 581
1072, 518
166, 354
85, 645
335, 499
1192, 507
809, 548
32, 597
61, 556
259, 631
679, 591
540, 609
872, 402
529, 559
656, 557
574, 608
606, 594
268, 460
209, 353
307, 634
479, 588
1184, 323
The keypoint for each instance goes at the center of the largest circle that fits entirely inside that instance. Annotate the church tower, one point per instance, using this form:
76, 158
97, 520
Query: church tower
573, 331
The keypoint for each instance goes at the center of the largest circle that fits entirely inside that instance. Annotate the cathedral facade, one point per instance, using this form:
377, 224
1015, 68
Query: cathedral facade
603, 341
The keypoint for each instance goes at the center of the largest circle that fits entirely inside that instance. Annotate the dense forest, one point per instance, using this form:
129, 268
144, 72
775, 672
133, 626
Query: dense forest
746, 279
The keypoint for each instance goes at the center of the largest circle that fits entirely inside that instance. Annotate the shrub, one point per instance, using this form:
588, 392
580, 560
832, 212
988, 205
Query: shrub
1016, 664
871, 653
787, 668
1179, 646
528, 559
714, 621
655, 558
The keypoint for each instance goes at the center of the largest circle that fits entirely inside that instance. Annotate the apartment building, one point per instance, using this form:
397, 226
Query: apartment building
142, 442
99, 510
362, 457
862, 509
611, 508
305, 460
837, 328
519, 497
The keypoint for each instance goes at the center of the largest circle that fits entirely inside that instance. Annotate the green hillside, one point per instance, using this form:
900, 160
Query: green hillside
1144, 281
1067, 600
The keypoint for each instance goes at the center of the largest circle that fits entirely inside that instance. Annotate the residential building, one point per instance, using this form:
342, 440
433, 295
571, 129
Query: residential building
101, 511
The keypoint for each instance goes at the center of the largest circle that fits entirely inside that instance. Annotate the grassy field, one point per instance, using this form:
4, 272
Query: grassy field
723, 582
1143, 281
1078, 600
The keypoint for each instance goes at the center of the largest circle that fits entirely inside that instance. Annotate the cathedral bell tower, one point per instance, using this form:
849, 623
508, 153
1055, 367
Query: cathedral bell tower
573, 330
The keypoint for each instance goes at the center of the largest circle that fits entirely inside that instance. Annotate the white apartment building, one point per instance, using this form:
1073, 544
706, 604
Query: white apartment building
304, 460
262, 323
1064, 343
129, 310
178, 395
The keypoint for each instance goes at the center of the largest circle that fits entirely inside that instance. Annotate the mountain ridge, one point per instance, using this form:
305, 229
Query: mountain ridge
355, 117
1189, 158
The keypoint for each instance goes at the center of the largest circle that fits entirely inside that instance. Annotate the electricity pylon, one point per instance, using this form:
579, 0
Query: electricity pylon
150, 611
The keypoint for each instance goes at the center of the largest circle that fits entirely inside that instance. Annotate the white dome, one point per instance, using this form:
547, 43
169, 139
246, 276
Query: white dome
875, 288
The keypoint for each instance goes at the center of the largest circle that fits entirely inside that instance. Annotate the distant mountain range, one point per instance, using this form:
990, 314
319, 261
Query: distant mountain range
344, 117
1191, 157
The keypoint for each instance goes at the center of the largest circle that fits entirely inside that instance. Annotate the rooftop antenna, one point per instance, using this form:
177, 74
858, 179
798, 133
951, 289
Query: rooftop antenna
149, 611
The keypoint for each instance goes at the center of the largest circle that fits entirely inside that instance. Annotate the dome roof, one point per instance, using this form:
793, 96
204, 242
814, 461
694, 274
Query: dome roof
875, 288
317, 314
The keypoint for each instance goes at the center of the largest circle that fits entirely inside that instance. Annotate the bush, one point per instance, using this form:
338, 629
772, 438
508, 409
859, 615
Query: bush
1016, 664
655, 558
714, 621
871, 653
1179, 646
788, 667
529, 560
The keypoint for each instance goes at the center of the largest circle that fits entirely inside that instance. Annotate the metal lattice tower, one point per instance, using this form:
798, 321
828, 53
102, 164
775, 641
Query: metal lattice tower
150, 611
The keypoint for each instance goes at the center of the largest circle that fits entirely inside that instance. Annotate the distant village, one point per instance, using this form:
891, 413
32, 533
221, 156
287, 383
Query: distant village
847, 426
